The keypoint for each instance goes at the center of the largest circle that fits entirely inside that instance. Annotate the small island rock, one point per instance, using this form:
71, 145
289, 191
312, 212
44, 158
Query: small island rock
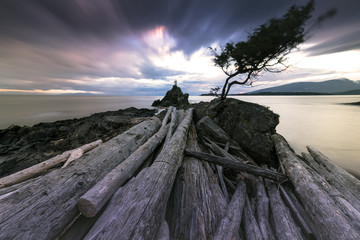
174, 97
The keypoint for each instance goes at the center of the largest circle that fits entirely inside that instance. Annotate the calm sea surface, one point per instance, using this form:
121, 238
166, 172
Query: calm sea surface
320, 121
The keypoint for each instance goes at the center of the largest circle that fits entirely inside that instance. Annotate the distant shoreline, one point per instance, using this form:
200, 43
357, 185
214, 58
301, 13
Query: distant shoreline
288, 94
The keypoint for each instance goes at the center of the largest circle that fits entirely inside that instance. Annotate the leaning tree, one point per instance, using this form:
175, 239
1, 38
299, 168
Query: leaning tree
265, 50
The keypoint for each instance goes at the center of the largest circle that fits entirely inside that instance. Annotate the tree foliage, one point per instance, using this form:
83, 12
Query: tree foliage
214, 91
266, 48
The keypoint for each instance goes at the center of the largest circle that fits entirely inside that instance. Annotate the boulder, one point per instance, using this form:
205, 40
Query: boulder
250, 125
174, 97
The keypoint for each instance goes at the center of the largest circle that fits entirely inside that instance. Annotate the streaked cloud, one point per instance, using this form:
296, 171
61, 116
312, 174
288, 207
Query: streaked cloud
140, 47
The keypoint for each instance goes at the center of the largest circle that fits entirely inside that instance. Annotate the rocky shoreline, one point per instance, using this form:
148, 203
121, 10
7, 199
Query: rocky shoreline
22, 147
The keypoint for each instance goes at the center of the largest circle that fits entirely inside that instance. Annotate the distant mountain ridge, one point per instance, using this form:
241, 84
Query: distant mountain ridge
341, 86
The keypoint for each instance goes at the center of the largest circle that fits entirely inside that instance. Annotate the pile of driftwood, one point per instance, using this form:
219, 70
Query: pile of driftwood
180, 181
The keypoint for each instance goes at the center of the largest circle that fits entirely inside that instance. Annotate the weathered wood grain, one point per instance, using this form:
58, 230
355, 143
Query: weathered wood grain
207, 127
167, 116
285, 227
339, 199
197, 203
262, 212
137, 210
94, 199
229, 225
343, 181
43, 208
327, 217
251, 226
237, 165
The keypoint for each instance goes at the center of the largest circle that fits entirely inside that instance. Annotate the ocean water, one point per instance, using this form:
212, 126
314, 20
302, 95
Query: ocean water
321, 121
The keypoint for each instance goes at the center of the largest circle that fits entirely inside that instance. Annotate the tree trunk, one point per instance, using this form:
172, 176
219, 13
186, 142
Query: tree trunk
137, 210
94, 199
197, 203
327, 217
229, 163
229, 226
43, 208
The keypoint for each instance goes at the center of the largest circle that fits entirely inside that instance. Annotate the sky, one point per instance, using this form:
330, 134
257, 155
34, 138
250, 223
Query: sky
140, 47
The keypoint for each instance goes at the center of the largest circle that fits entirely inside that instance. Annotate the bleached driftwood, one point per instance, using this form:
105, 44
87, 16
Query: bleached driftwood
197, 203
94, 199
143, 199
251, 226
327, 217
168, 114
237, 165
208, 128
78, 152
45, 206
343, 181
45, 165
176, 118
285, 226
298, 216
229, 225
340, 200
262, 212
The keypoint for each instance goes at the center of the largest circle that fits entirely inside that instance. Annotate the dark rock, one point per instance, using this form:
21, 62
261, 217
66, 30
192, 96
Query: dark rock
174, 97
353, 103
22, 147
249, 124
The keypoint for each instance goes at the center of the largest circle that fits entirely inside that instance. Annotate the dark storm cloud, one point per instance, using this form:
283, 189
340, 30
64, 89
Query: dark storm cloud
45, 42
192, 23
343, 43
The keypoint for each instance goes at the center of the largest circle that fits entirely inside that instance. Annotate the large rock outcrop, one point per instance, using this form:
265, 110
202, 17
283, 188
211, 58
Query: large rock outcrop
174, 97
249, 124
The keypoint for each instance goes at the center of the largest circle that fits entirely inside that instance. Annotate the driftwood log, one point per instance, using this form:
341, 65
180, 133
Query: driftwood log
262, 212
196, 204
343, 181
167, 116
142, 201
285, 227
94, 199
348, 180
78, 152
45, 206
297, 213
210, 129
328, 218
237, 165
45, 165
339, 199
251, 226
229, 226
